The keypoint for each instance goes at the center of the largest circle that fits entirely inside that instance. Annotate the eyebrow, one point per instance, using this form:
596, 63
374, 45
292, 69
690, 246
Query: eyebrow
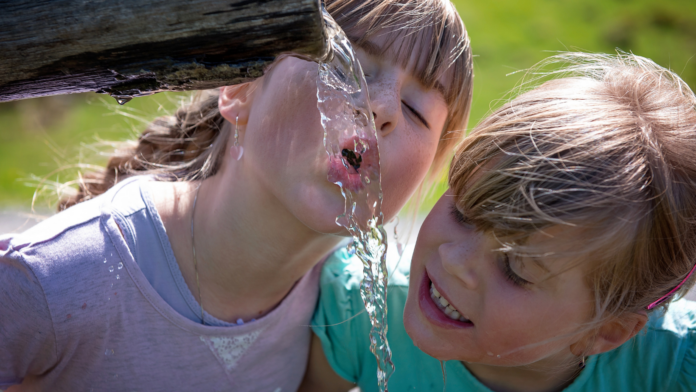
375, 50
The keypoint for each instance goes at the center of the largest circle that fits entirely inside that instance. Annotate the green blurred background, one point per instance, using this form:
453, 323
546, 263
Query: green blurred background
43, 138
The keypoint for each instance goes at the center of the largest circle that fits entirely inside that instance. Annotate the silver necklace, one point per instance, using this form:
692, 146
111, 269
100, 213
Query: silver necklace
193, 246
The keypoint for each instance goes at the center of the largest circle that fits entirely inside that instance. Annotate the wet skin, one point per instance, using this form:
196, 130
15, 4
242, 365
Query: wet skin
283, 137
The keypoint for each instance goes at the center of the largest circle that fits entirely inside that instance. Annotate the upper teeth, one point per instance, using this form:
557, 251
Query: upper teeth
444, 305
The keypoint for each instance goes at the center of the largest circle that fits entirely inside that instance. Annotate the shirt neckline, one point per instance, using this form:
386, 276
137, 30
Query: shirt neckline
133, 270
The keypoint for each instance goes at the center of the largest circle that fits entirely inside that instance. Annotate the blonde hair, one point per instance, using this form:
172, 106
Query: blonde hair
190, 144
608, 150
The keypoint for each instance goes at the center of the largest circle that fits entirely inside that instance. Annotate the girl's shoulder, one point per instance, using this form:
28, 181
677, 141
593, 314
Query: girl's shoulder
344, 269
77, 231
55, 282
341, 322
74, 254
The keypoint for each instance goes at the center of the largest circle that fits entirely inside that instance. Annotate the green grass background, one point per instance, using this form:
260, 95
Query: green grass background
39, 137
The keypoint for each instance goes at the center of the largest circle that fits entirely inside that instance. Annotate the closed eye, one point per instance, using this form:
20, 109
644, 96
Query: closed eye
418, 115
511, 275
458, 216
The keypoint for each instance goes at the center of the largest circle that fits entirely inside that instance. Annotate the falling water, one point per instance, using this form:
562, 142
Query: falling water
350, 140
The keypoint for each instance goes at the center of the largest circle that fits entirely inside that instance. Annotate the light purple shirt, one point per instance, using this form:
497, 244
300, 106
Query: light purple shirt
78, 314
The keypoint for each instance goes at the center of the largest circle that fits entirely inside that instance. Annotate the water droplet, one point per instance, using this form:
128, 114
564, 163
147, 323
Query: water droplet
112, 285
122, 99
109, 352
111, 268
120, 265
118, 277
367, 180
104, 261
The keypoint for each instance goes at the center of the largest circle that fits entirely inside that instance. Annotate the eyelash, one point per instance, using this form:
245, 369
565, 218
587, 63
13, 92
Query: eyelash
418, 115
458, 216
507, 270
511, 275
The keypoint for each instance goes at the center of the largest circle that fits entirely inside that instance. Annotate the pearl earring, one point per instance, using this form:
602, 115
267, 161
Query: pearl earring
237, 150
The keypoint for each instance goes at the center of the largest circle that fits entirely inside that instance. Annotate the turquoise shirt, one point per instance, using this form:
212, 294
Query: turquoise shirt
662, 357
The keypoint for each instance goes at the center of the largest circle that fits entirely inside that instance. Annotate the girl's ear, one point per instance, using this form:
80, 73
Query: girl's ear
611, 334
235, 102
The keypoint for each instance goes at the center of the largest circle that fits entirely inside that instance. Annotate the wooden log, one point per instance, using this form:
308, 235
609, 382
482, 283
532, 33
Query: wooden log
137, 47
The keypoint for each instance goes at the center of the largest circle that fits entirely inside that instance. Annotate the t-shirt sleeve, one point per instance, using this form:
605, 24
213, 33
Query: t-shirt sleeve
27, 337
340, 320
686, 379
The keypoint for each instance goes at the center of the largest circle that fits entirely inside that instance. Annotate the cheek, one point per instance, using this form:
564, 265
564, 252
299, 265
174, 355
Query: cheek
289, 97
405, 163
523, 327
284, 130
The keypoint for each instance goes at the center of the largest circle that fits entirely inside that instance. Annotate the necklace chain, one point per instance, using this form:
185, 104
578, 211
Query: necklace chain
193, 246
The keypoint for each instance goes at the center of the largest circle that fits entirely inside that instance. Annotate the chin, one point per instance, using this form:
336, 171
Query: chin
422, 336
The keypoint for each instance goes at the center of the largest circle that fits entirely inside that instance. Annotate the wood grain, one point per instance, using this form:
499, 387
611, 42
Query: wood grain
138, 47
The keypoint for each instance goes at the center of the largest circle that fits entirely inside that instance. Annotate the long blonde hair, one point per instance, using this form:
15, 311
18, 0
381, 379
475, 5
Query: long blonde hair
190, 144
609, 150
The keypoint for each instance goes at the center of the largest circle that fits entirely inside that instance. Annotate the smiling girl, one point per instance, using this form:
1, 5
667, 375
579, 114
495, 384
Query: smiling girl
192, 261
551, 261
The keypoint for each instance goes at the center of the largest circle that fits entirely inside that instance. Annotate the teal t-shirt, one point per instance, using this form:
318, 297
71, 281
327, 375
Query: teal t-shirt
660, 358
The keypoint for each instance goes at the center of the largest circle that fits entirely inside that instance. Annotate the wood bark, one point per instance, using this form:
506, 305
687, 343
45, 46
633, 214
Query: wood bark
138, 47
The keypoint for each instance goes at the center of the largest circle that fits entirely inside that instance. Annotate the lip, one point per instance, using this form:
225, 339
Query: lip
342, 173
431, 312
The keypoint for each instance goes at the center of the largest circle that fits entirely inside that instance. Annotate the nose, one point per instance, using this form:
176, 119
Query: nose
463, 261
385, 99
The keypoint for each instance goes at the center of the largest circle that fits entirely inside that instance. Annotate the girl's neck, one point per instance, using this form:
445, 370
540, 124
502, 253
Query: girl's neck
543, 376
250, 251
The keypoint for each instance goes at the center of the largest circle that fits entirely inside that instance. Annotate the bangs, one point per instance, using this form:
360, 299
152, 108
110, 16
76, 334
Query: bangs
432, 29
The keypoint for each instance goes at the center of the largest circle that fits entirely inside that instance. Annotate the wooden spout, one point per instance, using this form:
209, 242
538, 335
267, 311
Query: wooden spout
135, 47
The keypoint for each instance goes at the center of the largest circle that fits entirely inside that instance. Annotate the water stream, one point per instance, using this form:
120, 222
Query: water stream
350, 140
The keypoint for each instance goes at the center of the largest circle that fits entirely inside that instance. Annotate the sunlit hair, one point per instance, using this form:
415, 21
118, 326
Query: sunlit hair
606, 151
190, 145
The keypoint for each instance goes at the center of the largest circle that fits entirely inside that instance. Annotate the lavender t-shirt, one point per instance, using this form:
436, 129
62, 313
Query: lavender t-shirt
78, 314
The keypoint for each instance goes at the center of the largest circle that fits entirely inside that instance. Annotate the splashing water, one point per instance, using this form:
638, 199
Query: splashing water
350, 140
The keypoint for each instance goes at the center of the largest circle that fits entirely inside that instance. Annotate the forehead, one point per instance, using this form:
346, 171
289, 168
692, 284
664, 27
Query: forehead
429, 48
412, 58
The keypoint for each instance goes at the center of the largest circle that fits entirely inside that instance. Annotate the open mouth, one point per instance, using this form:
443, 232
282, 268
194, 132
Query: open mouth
437, 309
355, 162
352, 158
445, 306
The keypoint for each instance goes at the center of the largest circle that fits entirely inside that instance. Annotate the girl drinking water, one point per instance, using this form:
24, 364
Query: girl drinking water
552, 261
192, 261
